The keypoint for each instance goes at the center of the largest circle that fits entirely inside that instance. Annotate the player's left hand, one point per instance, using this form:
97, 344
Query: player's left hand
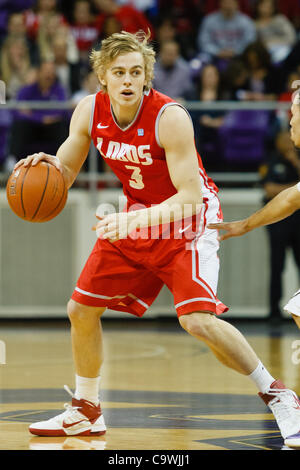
233, 229
114, 227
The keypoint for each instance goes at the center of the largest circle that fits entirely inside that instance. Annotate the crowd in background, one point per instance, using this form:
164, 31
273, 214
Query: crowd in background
207, 50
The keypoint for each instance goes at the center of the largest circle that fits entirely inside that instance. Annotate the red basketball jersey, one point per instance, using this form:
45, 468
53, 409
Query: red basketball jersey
135, 154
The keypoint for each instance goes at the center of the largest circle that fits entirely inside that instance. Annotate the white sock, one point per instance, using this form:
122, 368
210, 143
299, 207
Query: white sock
262, 378
87, 389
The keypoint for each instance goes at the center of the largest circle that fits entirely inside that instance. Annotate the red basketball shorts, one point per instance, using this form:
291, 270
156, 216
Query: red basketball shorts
127, 275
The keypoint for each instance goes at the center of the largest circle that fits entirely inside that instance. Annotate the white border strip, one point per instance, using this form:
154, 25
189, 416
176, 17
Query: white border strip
92, 116
105, 297
196, 299
171, 103
98, 296
139, 300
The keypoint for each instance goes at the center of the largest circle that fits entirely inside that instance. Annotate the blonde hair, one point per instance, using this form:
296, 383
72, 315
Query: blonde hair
120, 44
6, 67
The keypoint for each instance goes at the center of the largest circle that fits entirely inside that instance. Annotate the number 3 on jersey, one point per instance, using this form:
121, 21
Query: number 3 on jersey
136, 179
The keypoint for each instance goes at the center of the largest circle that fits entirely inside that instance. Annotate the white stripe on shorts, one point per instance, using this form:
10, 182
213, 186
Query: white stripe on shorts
105, 297
206, 241
138, 300
195, 251
98, 296
196, 299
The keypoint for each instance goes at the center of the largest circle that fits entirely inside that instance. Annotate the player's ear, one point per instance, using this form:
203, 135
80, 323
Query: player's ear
102, 80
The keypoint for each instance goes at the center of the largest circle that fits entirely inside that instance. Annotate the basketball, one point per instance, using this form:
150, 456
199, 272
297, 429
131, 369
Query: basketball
36, 193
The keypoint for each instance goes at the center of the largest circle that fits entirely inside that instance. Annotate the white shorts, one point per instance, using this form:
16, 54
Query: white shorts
293, 305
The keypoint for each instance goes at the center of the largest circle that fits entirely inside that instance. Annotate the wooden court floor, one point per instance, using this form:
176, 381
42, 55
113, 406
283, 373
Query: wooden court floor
160, 388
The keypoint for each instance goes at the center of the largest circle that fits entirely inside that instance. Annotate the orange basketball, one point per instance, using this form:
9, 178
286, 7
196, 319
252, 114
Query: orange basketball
37, 193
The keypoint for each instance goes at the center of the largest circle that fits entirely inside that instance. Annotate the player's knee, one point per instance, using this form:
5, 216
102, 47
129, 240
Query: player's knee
80, 314
200, 325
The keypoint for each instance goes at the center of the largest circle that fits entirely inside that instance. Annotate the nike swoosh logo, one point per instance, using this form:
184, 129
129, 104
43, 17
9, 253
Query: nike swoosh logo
101, 127
66, 425
181, 230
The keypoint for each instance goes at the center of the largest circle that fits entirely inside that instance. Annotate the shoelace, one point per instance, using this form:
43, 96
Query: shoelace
283, 403
69, 391
70, 409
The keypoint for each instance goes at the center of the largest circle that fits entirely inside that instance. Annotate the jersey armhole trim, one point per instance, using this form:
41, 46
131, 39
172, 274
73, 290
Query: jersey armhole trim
92, 116
159, 115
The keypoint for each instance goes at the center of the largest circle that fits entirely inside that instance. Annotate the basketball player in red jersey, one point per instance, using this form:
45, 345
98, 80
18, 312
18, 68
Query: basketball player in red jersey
148, 141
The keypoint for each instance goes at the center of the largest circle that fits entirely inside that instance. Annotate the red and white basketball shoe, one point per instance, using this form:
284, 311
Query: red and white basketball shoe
285, 406
82, 418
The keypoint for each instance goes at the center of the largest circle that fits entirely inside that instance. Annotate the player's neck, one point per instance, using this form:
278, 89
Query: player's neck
124, 115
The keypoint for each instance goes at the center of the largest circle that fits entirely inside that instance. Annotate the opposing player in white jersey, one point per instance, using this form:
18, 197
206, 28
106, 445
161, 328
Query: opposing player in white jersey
148, 141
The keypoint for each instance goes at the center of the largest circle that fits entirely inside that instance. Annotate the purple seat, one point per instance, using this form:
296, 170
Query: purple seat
243, 136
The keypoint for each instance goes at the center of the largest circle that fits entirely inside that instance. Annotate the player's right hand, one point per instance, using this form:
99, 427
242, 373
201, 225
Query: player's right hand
35, 158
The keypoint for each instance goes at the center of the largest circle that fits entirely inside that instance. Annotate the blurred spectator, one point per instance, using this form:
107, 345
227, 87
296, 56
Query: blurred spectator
166, 30
282, 171
16, 68
274, 29
130, 19
67, 73
90, 86
171, 72
84, 28
209, 88
235, 79
39, 13
227, 32
185, 15
36, 130
7, 7
263, 82
245, 6
289, 8
16, 26
110, 26
49, 29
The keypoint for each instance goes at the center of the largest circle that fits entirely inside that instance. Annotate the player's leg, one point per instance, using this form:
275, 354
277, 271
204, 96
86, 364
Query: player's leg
278, 239
224, 340
193, 282
128, 287
86, 335
295, 245
293, 307
233, 350
83, 416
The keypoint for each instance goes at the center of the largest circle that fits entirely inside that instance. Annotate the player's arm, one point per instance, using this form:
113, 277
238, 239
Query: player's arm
176, 135
74, 150
280, 207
